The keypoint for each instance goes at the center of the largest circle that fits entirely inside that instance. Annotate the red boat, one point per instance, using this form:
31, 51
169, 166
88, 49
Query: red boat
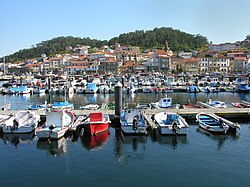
242, 104
96, 123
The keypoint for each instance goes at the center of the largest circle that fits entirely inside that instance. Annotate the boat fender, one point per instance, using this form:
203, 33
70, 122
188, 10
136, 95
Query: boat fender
175, 127
135, 124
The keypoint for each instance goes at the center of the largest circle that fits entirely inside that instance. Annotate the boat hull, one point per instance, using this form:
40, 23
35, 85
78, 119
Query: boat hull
171, 124
133, 122
96, 128
46, 133
211, 123
22, 122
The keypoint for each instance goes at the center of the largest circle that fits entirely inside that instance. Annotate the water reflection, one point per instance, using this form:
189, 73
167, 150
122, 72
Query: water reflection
220, 138
16, 139
172, 141
53, 147
95, 141
130, 147
91, 98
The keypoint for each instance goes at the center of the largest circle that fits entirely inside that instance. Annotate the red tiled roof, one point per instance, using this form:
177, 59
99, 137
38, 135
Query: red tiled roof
77, 67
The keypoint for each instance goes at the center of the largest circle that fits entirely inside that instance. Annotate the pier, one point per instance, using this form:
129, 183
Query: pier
229, 113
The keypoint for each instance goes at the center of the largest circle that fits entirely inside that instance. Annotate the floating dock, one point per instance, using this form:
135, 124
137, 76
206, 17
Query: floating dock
237, 113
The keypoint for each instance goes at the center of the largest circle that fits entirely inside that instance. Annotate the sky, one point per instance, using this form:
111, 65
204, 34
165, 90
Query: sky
27, 22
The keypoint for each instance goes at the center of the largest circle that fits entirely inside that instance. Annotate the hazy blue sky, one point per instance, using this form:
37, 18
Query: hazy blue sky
27, 22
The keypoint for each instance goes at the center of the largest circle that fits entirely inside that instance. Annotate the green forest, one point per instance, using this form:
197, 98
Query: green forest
151, 39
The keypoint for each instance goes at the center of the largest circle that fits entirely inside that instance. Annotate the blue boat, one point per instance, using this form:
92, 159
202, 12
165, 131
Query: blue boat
91, 88
193, 89
62, 105
244, 88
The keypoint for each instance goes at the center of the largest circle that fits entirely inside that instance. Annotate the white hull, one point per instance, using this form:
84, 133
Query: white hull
218, 127
21, 122
57, 124
168, 126
127, 119
46, 133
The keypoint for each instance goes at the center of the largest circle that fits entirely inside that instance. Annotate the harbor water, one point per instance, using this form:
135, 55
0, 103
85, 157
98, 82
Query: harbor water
112, 159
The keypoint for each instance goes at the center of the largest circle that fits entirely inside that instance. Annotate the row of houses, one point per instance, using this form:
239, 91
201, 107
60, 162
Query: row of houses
128, 60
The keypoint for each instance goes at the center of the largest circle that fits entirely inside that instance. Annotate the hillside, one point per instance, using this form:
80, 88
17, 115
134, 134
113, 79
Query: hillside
151, 39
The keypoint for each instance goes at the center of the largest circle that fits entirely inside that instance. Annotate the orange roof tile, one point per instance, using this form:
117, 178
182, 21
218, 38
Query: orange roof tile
77, 67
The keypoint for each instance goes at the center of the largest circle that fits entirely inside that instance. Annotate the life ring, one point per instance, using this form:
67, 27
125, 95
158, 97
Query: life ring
175, 127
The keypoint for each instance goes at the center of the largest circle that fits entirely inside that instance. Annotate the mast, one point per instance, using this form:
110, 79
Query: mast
4, 65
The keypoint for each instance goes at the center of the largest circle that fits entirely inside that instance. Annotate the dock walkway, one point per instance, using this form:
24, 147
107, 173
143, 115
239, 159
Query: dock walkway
189, 113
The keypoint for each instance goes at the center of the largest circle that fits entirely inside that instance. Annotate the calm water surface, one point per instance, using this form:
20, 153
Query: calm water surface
198, 159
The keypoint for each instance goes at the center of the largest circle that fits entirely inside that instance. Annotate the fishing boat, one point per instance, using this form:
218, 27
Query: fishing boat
171, 123
23, 121
165, 103
56, 125
211, 123
133, 122
96, 123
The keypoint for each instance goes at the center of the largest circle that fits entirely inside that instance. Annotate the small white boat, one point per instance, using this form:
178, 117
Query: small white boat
39, 90
103, 89
133, 122
171, 123
25, 90
211, 123
35, 106
56, 125
216, 104
23, 121
90, 107
165, 103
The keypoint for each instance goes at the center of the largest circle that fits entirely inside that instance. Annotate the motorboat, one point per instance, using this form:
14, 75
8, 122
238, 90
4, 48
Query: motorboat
193, 89
90, 107
242, 104
96, 123
39, 90
171, 123
25, 90
56, 125
23, 121
62, 105
133, 122
104, 89
165, 103
211, 123
35, 106
91, 88
143, 106
216, 104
